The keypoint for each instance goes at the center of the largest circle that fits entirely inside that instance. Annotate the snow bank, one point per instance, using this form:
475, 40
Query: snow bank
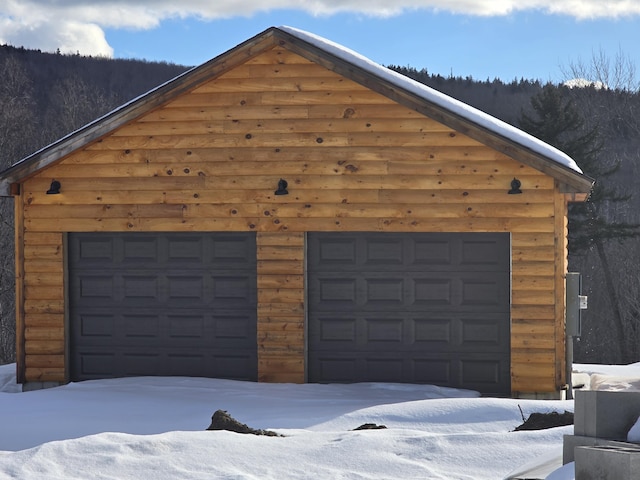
8, 379
154, 427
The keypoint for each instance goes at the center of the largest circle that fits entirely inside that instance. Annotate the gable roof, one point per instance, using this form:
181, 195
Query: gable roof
447, 110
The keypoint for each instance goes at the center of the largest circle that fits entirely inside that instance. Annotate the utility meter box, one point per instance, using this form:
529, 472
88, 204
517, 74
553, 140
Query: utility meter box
576, 302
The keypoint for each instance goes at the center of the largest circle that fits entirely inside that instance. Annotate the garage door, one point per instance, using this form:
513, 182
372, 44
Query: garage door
162, 304
413, 308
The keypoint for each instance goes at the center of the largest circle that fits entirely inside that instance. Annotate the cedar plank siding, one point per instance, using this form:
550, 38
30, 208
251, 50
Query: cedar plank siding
355, 160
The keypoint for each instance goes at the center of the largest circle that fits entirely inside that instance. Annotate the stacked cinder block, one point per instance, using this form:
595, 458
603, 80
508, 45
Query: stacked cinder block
599, 446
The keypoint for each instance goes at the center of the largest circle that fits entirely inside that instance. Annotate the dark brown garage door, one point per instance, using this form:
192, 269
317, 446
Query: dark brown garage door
413, 308
162, 304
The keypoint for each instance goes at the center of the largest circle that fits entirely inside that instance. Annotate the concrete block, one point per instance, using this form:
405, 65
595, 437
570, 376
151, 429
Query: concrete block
606, 414
607, 463
31, 386
570, 442
559, 395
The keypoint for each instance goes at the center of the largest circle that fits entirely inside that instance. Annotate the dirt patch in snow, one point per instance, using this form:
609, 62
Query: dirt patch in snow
370, 426
541, 421
221, 420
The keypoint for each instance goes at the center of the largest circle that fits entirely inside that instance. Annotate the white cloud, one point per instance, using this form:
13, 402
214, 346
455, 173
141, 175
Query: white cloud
77, 25
68, 36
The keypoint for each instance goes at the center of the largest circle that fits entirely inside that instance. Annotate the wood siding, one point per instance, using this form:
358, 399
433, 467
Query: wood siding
281, 327
44, 307
210, 160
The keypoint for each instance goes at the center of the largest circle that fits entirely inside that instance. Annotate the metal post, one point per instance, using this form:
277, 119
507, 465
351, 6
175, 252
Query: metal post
573, 327
569, 366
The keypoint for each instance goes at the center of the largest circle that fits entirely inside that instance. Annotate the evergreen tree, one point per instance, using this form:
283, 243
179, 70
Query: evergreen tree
558, 122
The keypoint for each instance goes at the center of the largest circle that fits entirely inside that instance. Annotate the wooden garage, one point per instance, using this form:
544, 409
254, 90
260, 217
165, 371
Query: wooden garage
288, 212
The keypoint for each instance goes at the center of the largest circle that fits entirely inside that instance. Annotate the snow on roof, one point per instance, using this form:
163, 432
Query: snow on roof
584, 83
455, 106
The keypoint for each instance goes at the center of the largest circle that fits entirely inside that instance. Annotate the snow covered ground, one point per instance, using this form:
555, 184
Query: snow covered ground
152, 427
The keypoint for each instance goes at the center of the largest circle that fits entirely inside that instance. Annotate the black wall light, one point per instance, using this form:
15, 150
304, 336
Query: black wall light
515, 187
54, 189
282, 187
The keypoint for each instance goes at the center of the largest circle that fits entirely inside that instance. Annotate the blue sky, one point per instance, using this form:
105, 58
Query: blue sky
463, 38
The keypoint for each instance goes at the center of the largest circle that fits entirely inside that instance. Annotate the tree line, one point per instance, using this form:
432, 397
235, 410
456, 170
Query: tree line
46, 96
43, 97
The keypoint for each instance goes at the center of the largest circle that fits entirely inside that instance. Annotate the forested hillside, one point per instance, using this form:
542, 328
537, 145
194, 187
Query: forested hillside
46, 96
42, 98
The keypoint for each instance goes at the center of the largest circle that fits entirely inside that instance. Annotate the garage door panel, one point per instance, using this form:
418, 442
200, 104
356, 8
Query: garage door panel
183, 250
187, 327
138, 328
96, 250
358, 334
333, 329
458, 291
139, 289
413, 291
138, 248
433, 292
232, 330
110, 250
94, 288
434, 333
379, 369
97, 364
328, 291
484, 375
335, 251
94, 325
487, 255
390, 251
388, 293
410, 308
234, 366
182, 309
177, 289
489, 291
94, 365
437, 371
436, 253
367, 332
373, 291
232, 250
332, 368
486, 334
182, 287
461, 333
384, 333
233, 290
409, 252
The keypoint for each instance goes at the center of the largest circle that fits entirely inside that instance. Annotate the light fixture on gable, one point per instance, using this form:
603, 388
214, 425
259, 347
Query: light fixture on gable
282, 187
515, 187
54, 189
